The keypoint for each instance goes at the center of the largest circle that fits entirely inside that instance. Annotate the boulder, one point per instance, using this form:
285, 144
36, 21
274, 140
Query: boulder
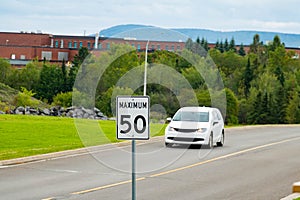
46, 111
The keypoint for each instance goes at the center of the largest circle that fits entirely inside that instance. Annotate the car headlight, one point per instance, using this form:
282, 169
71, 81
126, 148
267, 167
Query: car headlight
201, 130
171, 128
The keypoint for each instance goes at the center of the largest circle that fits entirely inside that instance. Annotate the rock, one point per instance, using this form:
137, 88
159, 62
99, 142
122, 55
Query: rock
74, 112
46, 111
96, 110
20, 110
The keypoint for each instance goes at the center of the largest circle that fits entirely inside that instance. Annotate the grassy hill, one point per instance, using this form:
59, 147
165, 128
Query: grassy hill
8, 98
7, 95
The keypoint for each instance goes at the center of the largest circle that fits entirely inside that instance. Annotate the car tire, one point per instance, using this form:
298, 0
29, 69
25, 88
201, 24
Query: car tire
221, 143
168, 145
210, 144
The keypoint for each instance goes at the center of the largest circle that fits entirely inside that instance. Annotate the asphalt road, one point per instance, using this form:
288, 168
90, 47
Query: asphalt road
255, 163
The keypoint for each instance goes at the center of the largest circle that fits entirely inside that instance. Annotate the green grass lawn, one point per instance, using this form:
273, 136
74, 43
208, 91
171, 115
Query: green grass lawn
31, 135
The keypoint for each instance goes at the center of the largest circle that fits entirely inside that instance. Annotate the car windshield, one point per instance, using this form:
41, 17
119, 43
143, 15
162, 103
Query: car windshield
191, 116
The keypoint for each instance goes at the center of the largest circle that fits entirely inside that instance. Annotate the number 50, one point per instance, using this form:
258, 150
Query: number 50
125, 120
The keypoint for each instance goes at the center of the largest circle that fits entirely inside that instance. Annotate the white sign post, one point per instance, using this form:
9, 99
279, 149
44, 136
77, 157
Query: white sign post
133, 124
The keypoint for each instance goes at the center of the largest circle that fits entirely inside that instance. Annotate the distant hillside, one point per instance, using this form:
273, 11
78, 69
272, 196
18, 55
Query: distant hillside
143, 32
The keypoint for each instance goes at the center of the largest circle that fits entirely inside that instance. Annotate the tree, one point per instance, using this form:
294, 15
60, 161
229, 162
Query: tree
248, 76
30, 76
254, 47
232, 46
50, 82
189, 44
232, 108
241, 51
78, 60
64, 76
275, 43
221, 47
280, 75
226, 45
292, 110
5, 70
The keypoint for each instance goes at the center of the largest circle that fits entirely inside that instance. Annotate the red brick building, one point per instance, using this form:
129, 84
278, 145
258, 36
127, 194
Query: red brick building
22, 47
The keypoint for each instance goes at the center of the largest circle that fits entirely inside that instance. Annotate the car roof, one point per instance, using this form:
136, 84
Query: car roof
196, 109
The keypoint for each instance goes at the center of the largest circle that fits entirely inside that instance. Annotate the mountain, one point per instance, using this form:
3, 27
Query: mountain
146, 32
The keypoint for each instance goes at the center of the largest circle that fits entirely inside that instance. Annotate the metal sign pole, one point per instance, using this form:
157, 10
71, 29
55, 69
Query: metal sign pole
133, 170
133, 140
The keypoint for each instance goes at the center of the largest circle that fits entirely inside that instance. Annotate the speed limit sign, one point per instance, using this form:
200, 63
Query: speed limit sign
133, 117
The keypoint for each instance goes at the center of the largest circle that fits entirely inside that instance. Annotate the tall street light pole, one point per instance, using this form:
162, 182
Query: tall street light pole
145, 75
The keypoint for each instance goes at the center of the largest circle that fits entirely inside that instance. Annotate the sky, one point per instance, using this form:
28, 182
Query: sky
78, 17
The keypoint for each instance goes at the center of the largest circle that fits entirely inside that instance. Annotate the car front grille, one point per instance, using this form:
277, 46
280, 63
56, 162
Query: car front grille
185, 130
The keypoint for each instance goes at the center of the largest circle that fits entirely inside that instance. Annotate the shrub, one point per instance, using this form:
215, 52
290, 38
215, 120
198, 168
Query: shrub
63, 99
25, 98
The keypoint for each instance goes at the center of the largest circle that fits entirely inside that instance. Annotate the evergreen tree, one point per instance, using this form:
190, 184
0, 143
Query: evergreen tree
254, 47
241, 51
280, 76
64, 76
205, 45
248, 76
217, 46
202, 41
226, 45
221, 47
189, 44
275, 43
78, 60
232, 46
198, 40
254, 115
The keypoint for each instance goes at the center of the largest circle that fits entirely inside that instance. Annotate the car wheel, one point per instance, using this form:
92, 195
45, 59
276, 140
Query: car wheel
168, 144
210, 144
221, 143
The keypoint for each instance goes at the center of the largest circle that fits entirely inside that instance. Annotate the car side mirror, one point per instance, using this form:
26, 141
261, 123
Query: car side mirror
169, 119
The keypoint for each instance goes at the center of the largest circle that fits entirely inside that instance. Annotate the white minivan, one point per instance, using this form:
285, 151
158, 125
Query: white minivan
196, 126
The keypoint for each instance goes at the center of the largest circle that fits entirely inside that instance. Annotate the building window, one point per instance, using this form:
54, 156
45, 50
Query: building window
89, 45
133, 45
56, 44
80, 44
178, 47
13, 56
75, 45
152, 46
99, 46
167, 47
63, 56
70, 44
172, 48
47, 55
139, 47
108, 46
158, 47
22, 57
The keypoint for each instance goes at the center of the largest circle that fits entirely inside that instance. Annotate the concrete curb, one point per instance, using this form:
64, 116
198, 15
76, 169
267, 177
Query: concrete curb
296, 192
